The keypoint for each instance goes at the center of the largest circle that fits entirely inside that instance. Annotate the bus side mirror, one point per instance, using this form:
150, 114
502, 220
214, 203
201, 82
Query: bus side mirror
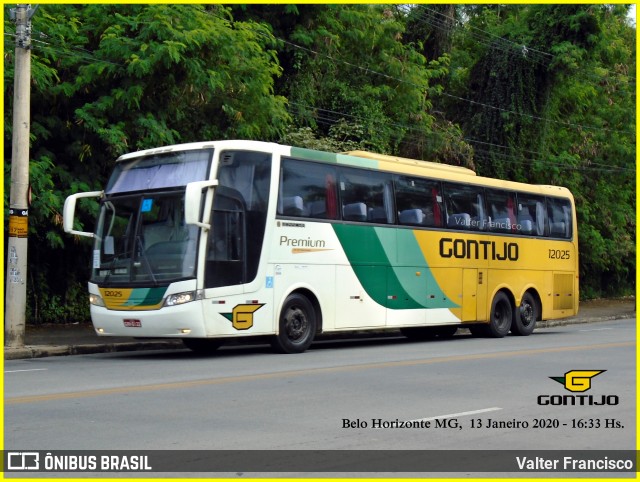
193, 200
69, 212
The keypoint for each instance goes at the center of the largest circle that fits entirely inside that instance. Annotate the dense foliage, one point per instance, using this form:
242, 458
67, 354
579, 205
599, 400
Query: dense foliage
535, 93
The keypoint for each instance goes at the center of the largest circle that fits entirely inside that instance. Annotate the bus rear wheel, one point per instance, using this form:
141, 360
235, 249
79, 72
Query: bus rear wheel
297, 325
525, 316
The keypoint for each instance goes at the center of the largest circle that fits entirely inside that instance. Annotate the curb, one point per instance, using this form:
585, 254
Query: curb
42, 351
579, 321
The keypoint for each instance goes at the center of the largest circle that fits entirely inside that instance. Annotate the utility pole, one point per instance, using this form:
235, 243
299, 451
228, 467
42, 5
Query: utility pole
16, 292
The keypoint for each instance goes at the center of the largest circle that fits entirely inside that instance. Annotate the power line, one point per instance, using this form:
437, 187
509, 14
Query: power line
330, 117
387, 76
65, 50
539, 56
534, 117
88, 56
501, 40
391, 77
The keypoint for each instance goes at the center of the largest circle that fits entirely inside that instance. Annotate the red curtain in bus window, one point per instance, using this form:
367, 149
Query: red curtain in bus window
332, 198
511, 211
437, 212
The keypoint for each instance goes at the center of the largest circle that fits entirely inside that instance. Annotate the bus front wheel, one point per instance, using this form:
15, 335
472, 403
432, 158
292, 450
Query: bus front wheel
297, 325
525, 316
500, 318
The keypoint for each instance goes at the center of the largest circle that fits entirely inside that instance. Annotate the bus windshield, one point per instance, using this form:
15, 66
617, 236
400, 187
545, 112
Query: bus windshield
143, 239
160, 171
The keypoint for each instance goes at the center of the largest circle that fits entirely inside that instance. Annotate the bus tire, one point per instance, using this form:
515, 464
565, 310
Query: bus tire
297, 325
501, 317
202, 346
525, 316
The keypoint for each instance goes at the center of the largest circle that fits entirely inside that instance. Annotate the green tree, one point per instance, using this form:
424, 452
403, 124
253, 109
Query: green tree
545, 94
109, 79
352, 64
536, 93
592, 99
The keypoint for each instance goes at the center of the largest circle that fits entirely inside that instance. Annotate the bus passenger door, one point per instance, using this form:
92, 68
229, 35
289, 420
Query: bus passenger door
225, 263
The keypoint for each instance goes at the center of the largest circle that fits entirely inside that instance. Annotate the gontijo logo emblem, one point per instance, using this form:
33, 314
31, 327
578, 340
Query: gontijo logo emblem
578, 380
242, 315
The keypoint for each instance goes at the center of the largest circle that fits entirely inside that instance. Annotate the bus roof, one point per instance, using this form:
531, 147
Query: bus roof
402, 165
383, 158
364, 159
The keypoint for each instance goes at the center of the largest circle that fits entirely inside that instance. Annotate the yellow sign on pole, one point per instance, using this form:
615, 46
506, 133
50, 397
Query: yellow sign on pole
18, 223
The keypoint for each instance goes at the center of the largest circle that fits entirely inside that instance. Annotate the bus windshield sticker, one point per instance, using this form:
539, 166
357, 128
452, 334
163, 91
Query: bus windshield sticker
147, 204
109, 245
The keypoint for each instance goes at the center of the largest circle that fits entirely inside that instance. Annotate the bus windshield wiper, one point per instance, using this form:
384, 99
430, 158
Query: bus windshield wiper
143, 257
111, 267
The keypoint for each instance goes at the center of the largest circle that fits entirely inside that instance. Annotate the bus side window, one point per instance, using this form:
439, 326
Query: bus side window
501, 211
465, 207
560, 218
366, 196
532, 216
419, 202
307, 190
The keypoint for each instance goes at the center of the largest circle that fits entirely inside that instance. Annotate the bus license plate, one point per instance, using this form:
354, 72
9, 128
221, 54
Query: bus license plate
133, 323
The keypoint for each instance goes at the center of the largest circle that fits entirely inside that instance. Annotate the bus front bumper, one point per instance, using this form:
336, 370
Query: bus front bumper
183, 321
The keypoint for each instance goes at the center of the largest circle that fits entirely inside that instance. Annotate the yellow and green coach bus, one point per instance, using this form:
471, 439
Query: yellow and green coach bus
216, 240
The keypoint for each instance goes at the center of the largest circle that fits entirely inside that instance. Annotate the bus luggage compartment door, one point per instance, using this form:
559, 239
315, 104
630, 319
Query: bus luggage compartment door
469, 294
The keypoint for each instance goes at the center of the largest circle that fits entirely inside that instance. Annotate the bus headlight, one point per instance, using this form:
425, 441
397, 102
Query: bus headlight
182, 298
96, 300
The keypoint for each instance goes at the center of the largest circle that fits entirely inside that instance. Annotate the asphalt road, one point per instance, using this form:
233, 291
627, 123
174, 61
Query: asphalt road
458, 394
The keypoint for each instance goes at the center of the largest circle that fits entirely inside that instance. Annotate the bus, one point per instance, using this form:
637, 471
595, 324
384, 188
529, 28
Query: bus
212, 241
